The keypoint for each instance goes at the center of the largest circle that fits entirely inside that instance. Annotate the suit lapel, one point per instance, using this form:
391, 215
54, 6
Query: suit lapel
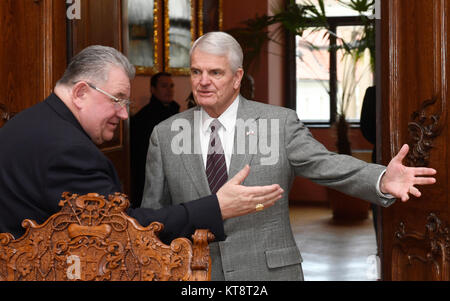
244, 137
193, 163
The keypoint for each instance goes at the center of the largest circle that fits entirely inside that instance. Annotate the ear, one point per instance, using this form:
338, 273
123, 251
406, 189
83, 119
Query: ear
78, 93
238, 78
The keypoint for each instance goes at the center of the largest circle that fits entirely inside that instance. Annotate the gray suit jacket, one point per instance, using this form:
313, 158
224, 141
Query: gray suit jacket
278, 147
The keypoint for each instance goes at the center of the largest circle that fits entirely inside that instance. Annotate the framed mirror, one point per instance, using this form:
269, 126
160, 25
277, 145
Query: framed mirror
179, 24
141, 34
210, 16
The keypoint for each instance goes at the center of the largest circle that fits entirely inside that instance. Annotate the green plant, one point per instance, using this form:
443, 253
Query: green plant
350, 79
296, 19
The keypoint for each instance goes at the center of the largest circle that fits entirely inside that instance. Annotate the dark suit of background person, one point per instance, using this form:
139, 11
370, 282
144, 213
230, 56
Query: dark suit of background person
368, 119
45, 152
368, 128
160, 107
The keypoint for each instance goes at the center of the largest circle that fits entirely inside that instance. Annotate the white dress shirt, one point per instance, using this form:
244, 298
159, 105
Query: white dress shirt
226, 135
226, 131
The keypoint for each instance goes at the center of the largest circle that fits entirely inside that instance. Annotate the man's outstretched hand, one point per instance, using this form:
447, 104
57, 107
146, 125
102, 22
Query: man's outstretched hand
399, 180
236, 199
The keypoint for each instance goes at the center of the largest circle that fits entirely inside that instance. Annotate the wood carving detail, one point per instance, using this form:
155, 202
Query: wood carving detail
5, 114
434, 245
92, 238
423, 130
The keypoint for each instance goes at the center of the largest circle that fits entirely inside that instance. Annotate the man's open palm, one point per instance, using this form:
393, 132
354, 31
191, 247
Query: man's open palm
400, 180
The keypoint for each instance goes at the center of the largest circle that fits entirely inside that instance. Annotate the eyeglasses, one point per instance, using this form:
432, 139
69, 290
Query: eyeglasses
118, 103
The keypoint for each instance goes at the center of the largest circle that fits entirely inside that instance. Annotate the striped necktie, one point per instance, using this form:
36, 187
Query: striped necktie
216, 167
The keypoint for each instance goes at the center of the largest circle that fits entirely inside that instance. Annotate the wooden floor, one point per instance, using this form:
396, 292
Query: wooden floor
333, 251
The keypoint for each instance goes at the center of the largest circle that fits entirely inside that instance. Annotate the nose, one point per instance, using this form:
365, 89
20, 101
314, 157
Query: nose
204, 79
123, 113
171, 91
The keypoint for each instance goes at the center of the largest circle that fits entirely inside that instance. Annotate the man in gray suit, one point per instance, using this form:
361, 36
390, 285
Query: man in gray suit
196, 151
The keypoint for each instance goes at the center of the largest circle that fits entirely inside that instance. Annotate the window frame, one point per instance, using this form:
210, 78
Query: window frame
333, 23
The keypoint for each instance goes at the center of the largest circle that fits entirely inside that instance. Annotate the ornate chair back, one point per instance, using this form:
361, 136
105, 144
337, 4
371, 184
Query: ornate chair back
92, 238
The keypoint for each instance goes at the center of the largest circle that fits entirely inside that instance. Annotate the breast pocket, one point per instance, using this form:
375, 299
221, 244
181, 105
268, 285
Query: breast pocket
277, 258
264, 175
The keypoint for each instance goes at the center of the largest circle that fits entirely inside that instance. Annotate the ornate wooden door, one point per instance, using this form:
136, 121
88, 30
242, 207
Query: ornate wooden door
414, 85
36, 42
32, 52
100, 23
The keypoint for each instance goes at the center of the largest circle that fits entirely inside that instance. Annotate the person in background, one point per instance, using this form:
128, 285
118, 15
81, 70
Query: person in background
248, 86
190, 101
368, 128
160, 107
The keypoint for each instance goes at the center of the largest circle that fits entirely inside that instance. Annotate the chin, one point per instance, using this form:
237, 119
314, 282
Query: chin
108, 137
98, 141
207, 102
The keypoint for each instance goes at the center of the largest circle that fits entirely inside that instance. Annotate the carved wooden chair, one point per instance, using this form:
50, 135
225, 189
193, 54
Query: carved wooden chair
92, 238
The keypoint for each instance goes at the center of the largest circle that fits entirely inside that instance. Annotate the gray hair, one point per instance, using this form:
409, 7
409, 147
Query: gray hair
93, 63
222, 44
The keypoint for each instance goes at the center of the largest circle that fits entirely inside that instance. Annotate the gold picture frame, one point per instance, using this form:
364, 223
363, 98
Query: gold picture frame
210, 16
179, 34
142, 33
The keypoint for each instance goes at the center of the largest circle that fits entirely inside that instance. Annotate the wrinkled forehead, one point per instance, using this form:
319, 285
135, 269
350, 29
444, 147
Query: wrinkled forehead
205, 60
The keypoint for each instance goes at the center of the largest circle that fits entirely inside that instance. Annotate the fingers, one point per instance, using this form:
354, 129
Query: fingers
236, 200
414, 191
424, 171
240, 176
402, 153
258, 191
268, 199
424, 181
405, 198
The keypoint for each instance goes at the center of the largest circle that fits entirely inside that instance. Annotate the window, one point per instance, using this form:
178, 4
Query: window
327, 80
313, 76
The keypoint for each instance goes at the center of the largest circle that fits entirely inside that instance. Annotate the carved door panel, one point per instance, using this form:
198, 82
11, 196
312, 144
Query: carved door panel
32, 52
100, 24
414, 93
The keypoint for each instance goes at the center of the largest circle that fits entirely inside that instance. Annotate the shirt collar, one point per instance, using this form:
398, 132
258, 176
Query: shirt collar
227, 119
